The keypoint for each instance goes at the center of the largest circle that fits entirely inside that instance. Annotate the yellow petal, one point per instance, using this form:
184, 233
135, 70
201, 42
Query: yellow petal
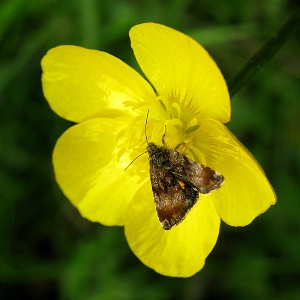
179, 252
246, 192
80, 84
180, 69
88, 173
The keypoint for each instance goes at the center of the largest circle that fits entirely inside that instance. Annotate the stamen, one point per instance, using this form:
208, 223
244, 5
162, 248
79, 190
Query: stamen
178, 109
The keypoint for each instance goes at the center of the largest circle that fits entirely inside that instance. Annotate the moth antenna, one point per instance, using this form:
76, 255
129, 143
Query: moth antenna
134, 160
146, 141
146, 127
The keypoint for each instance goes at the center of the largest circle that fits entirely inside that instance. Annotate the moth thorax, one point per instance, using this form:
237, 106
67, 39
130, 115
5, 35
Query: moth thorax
152, 148
158, 156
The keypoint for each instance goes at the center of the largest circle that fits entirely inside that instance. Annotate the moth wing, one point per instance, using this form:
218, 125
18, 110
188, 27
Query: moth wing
173, 197
203, 178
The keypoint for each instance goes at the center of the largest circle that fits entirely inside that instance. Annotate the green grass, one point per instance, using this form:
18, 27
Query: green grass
47, 250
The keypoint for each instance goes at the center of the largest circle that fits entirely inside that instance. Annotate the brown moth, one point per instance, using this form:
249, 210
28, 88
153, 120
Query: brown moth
176, 183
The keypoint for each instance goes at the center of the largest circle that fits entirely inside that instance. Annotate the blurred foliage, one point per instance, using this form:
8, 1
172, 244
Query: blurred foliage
47, 250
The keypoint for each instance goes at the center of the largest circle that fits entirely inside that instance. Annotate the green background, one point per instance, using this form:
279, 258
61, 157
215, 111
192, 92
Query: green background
47, 251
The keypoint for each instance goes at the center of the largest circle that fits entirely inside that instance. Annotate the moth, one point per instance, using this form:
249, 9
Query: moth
176, 183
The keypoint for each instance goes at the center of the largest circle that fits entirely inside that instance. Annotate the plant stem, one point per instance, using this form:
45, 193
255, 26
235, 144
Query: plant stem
264, 54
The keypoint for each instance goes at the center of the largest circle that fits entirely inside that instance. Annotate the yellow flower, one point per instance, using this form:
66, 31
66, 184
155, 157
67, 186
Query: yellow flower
109, 101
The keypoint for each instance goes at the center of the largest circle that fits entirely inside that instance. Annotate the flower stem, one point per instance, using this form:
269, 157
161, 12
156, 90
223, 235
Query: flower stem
265, 53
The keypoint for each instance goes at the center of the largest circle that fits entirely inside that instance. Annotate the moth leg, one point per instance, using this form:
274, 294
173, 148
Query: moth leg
181, 145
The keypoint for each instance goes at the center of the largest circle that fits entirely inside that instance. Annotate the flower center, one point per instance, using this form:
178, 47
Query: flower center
177, 120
